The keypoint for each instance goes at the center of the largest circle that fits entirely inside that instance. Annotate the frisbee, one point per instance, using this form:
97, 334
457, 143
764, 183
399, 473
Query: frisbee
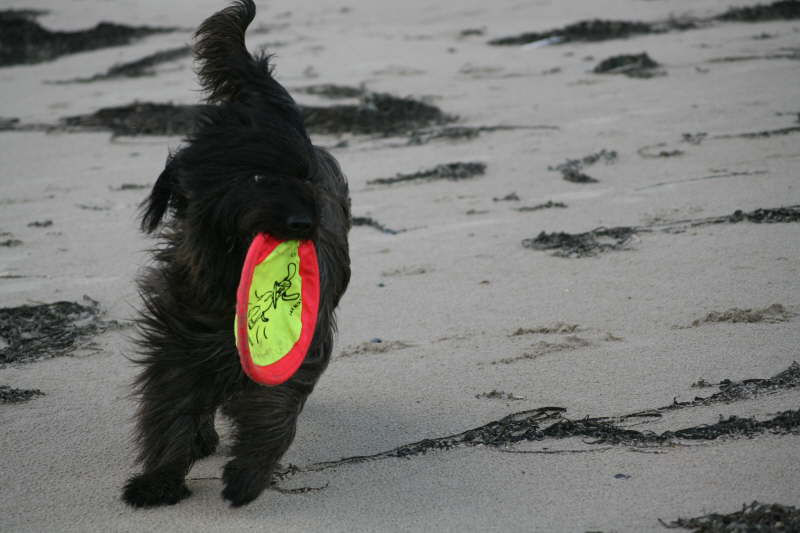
277, 303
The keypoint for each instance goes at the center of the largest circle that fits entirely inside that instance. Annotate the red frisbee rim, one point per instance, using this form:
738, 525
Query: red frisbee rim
285, 367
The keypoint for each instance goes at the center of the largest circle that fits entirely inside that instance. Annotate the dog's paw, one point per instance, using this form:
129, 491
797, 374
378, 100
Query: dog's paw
206, 441
243, 483
149, 490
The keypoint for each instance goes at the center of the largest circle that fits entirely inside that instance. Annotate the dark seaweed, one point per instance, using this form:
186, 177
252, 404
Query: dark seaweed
510, 197
25, 41
631, 65
140, 118
40, 223
457, 133
547, 205
495, 394
449, 171
140, 67
11, 243
585, 244
376, 113
529, 426
381, 114
32, 332
782, 9
601, 30
767, 216
129, 187
585, 30
764, 134
329, 90
572, 169
8, 123
604, 239
12, 395
753, 518
371, 222
526, 426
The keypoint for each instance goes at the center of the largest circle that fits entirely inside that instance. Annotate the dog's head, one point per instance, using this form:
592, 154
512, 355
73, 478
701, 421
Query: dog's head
249, 167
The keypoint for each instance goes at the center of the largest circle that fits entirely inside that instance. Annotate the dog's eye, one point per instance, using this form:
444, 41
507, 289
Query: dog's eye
258, 178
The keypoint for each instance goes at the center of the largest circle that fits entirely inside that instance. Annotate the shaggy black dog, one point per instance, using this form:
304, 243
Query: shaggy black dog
249, 167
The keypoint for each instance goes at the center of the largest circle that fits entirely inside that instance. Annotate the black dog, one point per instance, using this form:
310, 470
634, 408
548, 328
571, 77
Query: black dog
249, 167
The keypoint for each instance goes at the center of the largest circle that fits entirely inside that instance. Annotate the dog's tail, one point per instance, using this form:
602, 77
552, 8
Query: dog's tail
225, 63
228, 72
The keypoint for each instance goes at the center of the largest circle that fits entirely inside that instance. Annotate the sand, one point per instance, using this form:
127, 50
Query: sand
446, 295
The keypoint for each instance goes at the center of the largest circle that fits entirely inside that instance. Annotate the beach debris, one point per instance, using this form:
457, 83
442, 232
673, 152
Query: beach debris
781, 9
631, 65
33, 332
771, 314
469, 32
140, 118
763, 216
375, 114
790, 53
144, 66
558, 327
585, 244
9, 394
652, 151
694, 138
550, 423
732, 391
510, 197
447, 171
128, 187
753, 517
584, 30
601, 30
537, 350
546, 205
8, 123
330, 90
372, 223
40, 223
604, 239
572, 169
11, 243
529, 426
763, 134
457, 133
372, 347
495, 394
93, 207
25, 41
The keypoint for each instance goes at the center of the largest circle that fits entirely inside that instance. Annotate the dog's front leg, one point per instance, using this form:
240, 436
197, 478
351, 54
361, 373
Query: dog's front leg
265, 422
175, 427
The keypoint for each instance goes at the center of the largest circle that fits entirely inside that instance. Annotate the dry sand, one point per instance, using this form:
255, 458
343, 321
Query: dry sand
447, 294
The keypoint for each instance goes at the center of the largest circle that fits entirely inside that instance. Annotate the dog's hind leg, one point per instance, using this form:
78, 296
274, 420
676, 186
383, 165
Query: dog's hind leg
265, 422
175, 427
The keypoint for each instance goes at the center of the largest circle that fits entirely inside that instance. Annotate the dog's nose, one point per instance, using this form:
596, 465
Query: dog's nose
299, 223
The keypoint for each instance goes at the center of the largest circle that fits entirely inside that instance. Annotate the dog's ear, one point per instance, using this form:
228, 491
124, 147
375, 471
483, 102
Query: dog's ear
229, 73
155, 206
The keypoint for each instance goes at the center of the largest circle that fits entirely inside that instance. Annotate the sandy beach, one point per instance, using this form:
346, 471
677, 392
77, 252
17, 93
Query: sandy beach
570, 263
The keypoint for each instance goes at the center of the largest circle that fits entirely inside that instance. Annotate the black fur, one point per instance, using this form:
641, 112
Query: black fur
249, 167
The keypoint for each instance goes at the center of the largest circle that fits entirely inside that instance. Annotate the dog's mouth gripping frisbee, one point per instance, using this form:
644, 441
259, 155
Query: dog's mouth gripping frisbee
276, 307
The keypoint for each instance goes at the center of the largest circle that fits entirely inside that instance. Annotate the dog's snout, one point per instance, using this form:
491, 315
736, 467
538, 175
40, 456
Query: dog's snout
299, 223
